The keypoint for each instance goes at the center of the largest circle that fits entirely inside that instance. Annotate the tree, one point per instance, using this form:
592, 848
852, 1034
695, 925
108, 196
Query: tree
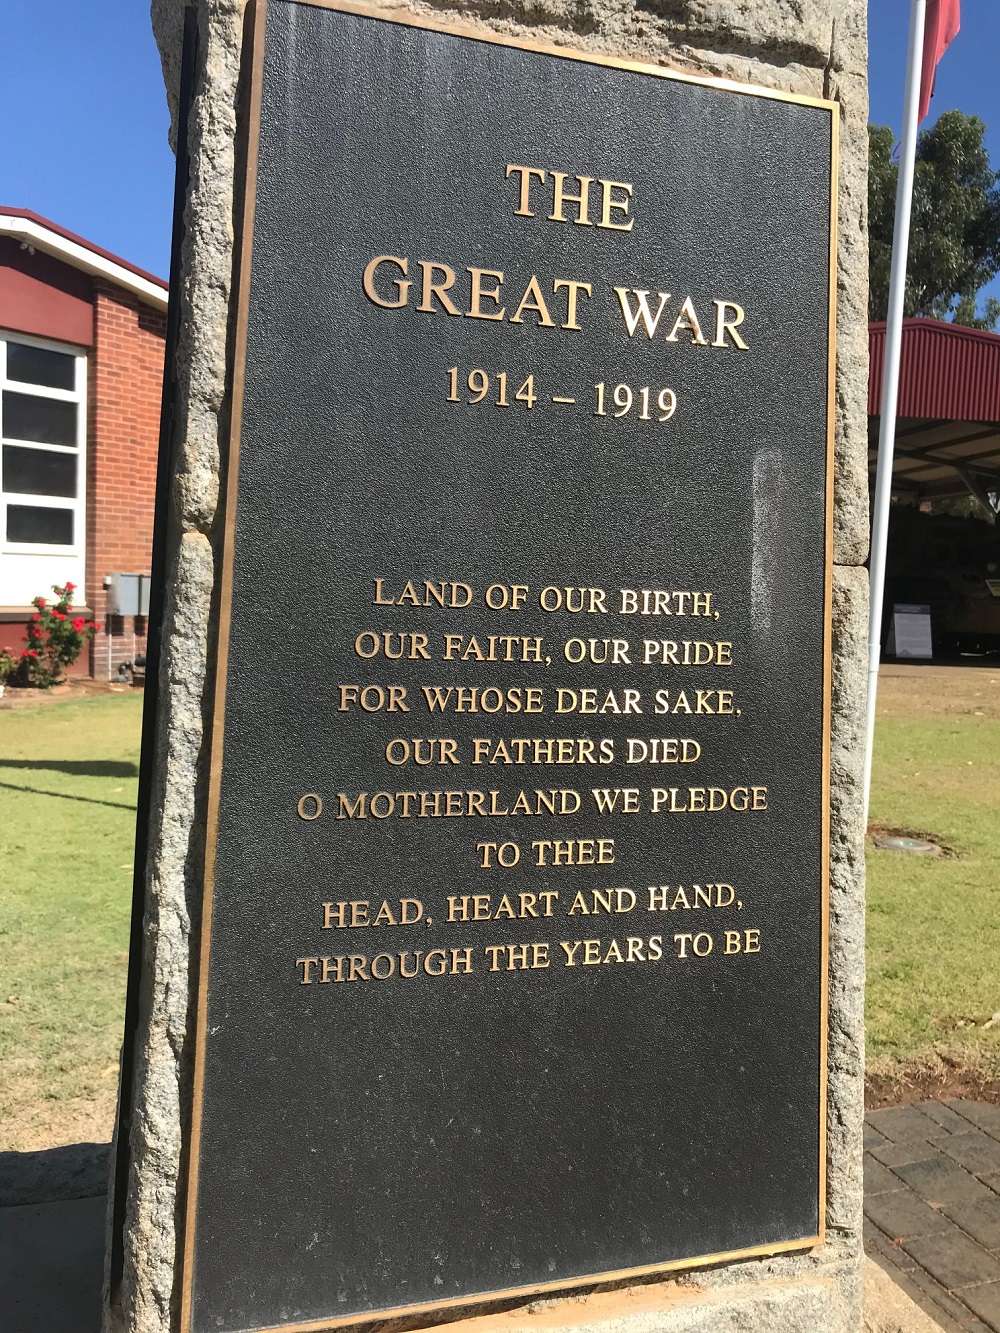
954, 228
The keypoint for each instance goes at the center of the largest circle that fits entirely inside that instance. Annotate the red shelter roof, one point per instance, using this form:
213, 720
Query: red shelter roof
947, 372
948, 417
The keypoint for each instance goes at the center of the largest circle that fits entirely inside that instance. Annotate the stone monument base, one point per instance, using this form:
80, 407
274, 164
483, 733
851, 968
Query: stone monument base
820, 1293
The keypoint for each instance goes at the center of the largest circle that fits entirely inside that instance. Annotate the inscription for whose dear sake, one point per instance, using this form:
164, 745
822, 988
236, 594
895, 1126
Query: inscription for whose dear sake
514, 966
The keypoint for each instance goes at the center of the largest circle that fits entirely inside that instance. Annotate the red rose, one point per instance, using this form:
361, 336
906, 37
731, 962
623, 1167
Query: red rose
70, 587
29, 652
40, 603
79, 624
58, 615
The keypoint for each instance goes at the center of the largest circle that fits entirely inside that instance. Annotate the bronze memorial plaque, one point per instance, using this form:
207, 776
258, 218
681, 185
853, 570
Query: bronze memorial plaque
513, 953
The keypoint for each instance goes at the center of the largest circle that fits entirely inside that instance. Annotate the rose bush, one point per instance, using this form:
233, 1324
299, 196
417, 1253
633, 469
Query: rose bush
54, 640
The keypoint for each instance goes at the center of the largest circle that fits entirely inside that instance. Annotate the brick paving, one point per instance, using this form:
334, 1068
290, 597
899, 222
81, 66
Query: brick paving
932, 1207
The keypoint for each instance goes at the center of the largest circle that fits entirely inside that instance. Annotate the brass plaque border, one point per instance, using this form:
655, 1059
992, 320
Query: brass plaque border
249, 135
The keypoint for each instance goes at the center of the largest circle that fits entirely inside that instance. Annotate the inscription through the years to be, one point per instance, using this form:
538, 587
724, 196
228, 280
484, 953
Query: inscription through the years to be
514, 940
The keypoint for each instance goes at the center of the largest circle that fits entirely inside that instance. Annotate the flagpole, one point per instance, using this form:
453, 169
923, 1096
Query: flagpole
890, 372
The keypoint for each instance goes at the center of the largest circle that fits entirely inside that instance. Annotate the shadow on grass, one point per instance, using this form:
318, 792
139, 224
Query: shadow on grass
85, 768
67, 796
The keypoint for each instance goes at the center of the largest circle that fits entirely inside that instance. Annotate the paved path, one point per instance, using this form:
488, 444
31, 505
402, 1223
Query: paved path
932, 1207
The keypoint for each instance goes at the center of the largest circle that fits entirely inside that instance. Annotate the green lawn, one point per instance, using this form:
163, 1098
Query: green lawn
67, 821
934, 922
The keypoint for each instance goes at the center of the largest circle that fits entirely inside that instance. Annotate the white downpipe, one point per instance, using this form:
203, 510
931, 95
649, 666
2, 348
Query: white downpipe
890, 371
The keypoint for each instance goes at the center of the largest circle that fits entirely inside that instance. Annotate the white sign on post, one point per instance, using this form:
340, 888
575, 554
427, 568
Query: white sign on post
911, 631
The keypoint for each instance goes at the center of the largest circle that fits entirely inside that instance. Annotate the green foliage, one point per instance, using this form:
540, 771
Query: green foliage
55, 638
955, 223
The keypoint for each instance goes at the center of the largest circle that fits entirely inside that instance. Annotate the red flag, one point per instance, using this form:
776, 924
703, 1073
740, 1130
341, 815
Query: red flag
940, 30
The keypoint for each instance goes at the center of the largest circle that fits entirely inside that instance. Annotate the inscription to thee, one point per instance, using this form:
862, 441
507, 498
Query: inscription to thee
514, 941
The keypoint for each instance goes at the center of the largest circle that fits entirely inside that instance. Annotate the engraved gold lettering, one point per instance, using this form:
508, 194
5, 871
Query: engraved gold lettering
437, 287
310, 806
517, 957
642, 311
609, 205
478, 294
573, 851
573, 290
668, 898
561, 196
532, 300
712, 800
687, 319
527, 174
456, 803
402, 285
724, 325
596, 901
372, 698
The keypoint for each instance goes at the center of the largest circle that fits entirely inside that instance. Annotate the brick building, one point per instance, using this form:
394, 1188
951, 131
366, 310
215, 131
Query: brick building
81, 365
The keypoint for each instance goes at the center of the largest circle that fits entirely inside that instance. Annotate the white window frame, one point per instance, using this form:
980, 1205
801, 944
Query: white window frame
78, 395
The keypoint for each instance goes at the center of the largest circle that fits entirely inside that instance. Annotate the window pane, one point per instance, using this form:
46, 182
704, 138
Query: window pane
38, 471
31, 523
44, 420
38, 365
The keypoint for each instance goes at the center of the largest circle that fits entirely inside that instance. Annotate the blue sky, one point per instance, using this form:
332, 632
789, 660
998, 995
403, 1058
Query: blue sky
85, 125
84, 119
966, 79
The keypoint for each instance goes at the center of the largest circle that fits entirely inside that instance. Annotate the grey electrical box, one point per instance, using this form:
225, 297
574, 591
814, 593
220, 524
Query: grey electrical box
125, 594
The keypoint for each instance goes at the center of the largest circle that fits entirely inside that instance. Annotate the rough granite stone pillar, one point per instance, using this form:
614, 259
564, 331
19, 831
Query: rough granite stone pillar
810, 46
